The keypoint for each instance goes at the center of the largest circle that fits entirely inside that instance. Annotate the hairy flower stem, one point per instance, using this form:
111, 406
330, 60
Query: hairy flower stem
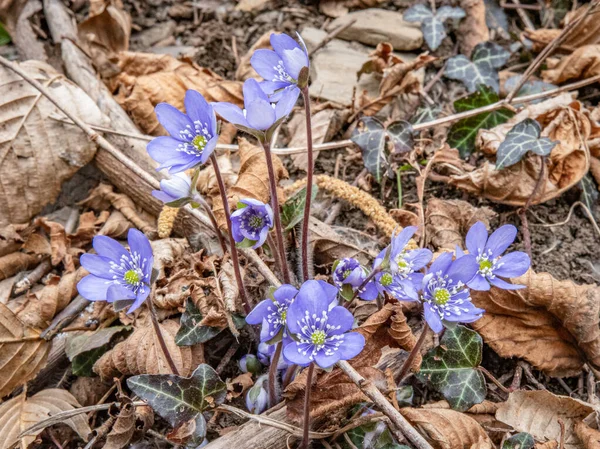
306, 420
309, 184
276, 212
273, 396
233, 250
415, 350
159, 334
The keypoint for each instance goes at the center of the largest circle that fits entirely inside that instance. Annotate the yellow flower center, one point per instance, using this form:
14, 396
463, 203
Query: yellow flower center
441, 296
386, 279
199, 143
346, 273
283, 316
132, 277
402, 263
485, 265
318, 338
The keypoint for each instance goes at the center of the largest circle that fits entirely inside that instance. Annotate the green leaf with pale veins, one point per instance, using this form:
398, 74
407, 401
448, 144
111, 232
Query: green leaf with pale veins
84, 349
463, 133
369, 135
522, 138
521, 440
451, 368
190, 331
180, 399
292, 210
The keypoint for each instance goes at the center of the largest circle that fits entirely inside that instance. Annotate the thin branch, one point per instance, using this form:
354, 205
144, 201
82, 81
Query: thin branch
159, 335
331, 36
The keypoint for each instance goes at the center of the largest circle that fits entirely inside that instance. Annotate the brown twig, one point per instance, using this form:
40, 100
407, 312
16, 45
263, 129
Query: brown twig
331, 36
33, 277
159, 334
561, 443
516, 382
413, 353
495, 381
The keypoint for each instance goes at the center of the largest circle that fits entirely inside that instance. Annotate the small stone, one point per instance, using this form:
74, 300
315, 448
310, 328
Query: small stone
157, 33
375, 25
181, 11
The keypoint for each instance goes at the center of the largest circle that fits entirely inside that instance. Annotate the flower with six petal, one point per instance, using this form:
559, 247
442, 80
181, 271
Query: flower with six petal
348, 275
118, 274
492, 265
444, 293
193, 136
272, 312
280, 67
320, 331
251, 222
176, 191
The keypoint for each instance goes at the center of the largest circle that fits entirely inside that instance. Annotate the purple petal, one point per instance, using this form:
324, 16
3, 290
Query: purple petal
253, 92
352, 346
165, 150
433, 319
501, 239
293, 355
463, 269
230, 112
174, 121
340, 316
117, 292
479, 283
293, 56
177, 187
370, 292
260, 311
419, 258
235, 228
273, 89
442, 263
327, 361
141, 297
262, 237
400, 240
264, 62
162, 196
499, 283
109, 248
198, 109
355, 278
512, 265
285, 294
208, 149
476, 238
330, 291
252, 202
139, 243
93, 288
96, 265
286, 102
260, 114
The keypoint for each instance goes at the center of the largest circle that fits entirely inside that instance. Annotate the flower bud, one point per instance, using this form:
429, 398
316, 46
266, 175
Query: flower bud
257, 398
250, 363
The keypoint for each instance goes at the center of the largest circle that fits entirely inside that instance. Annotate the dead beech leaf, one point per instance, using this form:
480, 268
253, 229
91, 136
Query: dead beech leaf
252, 181
329, 246
10, 240
141, 353
563, 120
552, 324
590, 437
447, 222
447, 429
472, 29
237, 386
245, 70
403, 335
39, 152
14, 263
147, 79
581, 64
19, 361
124, 426
116, 226
21, 412
394, 78
538, 412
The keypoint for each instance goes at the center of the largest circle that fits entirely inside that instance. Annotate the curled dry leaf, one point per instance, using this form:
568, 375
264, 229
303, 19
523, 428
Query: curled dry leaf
562, 120
29, 177
472, 29
10, 239
252, 181
581, 64
141, 353
550, 323
14, 263
401, 332
448, 429
147, 79
245, 70
237, 386
447, 221
88, 390
21, 412
538, 412
21, 354
590, 437
124, 426
116, 226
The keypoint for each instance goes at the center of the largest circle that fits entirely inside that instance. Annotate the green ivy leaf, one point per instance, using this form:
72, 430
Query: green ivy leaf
523, 137
84, 349
401, 136
374, 435
451, 368
4, 36
432, 25
425, 114
190, 332
180, 399
521, 440
369, 135
463, 133
589, 192
292, 210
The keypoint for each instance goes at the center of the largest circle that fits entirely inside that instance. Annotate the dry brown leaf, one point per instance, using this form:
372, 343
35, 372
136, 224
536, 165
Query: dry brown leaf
590, 437
15, 16
39, 152
552, 444
147, 79
447, 429
401, 332
16, 262
10, 240
245, 70
581, 64
380, 59
124, 426
447, 222
19, 361
141, 353
538, 412
20, 413
237, 386
562, 120
327, 245
252, 181
595, 169
88, 390
552, 324
473, 29
394, 78
333, 8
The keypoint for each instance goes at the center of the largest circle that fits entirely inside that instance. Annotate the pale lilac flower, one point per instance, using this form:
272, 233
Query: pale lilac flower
445, 295
193, 136
251, 222
320, 331
257, 398
176, 191
492, 265
348, 275
272, 312
118, 274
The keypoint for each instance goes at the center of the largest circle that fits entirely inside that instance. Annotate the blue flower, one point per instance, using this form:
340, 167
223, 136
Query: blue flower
176, 191
251, 222
444, 293
492, 265
272, 312
280, 68
257, 398
118, 274
348, 275
320, 328
193, 136
260, 114
265, 354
